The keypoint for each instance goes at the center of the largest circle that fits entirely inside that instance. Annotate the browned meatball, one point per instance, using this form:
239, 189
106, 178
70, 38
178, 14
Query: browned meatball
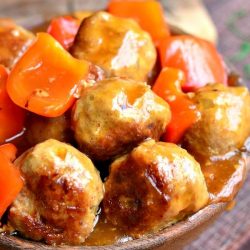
62, 192
116, 44
115, 115
224, 123
155, 185
14, 40
39, 129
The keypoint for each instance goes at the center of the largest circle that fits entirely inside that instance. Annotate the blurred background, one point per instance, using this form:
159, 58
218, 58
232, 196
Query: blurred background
232, 20
224, 22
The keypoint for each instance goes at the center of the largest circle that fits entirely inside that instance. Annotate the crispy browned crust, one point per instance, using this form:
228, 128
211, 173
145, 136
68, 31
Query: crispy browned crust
151, 188
62, 192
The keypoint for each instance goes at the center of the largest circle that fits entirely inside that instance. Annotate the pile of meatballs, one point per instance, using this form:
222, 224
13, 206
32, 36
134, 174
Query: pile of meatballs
117, 120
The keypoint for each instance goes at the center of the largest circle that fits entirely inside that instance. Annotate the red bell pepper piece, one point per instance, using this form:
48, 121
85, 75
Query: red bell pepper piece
184, 113
47, 78
64, 30
197, 58
11, 181
148, 13
11, 116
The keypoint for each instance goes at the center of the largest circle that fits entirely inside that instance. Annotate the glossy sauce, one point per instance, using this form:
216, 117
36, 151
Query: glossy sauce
106, 234
224, 175
19, 141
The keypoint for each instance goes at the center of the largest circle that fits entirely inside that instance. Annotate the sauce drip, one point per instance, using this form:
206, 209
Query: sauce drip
224, 175
106, 234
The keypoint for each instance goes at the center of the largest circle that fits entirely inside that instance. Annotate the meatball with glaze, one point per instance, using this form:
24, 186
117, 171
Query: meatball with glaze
117, 114
155, 185
224, 123
39, 129
117, 45
60, 199
14, 40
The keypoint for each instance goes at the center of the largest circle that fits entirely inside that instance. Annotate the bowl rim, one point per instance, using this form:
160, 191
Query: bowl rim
158, 239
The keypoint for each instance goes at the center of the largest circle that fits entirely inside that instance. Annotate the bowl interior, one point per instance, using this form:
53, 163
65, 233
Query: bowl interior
32, 13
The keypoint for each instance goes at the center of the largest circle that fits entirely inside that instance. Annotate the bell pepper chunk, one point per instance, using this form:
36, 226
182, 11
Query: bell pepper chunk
197, 58
11, 116
184, 115
168, 84
64, 30
11, 181
184, 112
47, 78
148, 13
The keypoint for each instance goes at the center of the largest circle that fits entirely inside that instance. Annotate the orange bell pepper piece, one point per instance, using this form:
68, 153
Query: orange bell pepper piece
11, 116
168, 84
11, 181
184, 113
148, 13
64, 30
197, 58
47, 78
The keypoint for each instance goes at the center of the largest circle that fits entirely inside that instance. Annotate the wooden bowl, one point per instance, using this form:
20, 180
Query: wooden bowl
173, 237
31, 13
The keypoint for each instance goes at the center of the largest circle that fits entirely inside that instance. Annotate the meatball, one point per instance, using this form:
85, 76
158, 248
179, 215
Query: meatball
14, 40
62, 192
117, 114
155, 185
39, 129
224, 123
117, 45
95, 74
